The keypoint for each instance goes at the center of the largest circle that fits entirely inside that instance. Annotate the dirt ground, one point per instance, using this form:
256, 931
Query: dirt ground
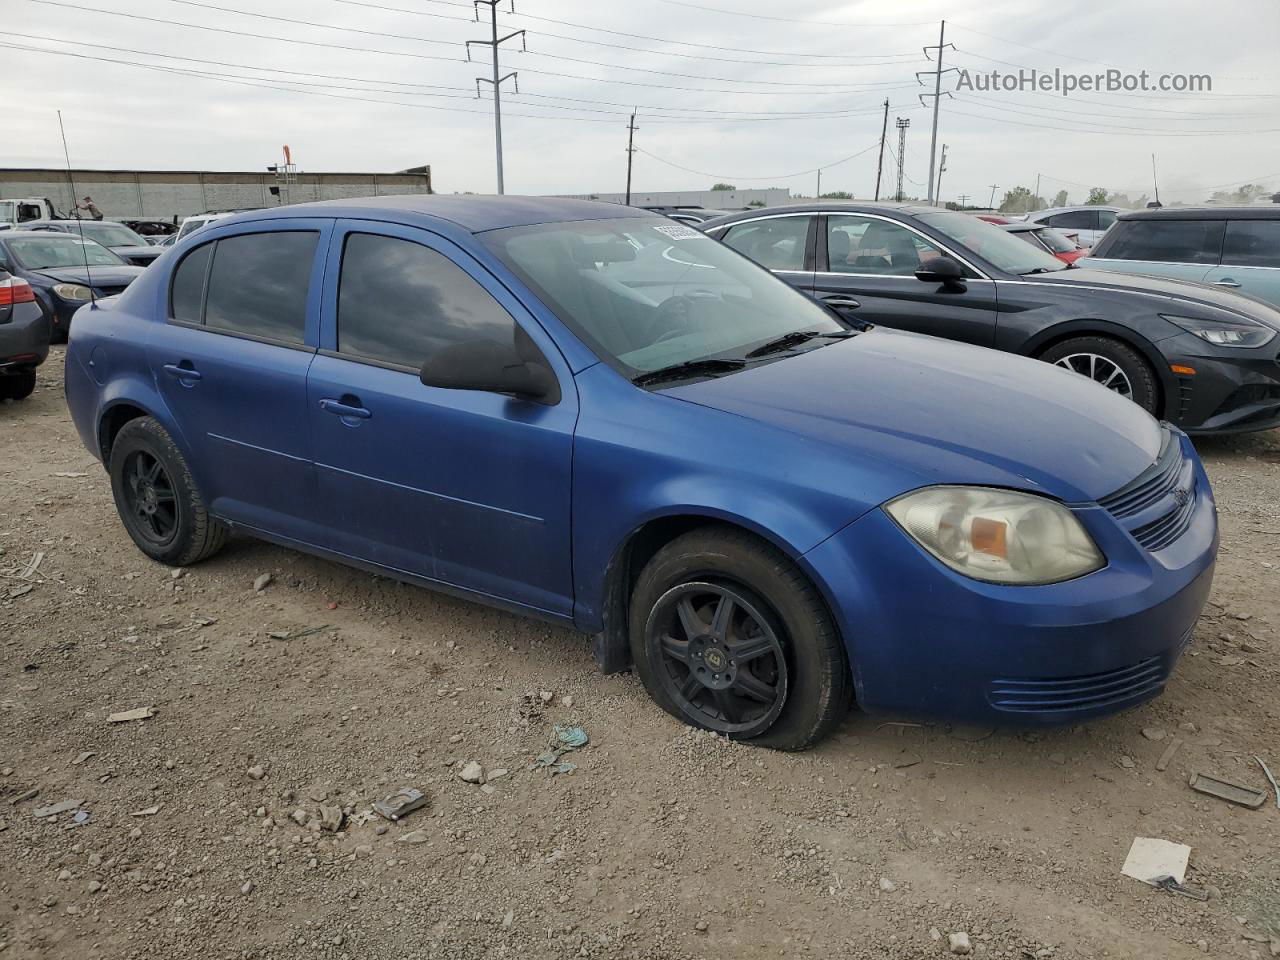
333, 688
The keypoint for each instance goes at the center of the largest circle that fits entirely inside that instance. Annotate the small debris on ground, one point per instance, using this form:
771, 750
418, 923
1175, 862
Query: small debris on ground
1167, 756
1226, 790
64, 806
472, 772
959, 943
1150, 858
401, 803
261, 583
141, 713
567, 739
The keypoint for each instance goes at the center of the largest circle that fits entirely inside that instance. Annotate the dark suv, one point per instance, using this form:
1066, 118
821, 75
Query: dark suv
1233, 247
1199, 356
24, 337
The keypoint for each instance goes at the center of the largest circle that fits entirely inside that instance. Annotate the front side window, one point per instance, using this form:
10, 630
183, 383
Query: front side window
645, 293
1252, 243
258, 284
1074, 220
777, 242
60, 250
857, 244
1164, 241
400, 302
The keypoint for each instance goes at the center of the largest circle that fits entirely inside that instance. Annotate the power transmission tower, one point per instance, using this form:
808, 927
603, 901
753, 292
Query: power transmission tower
963, 200
631, 150
884, 129
936, 95
942, 166
496, 81
902, 153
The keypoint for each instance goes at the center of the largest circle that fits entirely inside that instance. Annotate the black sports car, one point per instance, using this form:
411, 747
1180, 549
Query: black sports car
1201, 357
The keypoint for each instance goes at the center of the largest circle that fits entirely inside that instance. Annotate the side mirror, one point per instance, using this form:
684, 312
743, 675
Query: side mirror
495, 368
942, 270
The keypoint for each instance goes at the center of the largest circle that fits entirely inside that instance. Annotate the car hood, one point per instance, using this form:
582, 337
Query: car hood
1163, 287
942, 412
102, 276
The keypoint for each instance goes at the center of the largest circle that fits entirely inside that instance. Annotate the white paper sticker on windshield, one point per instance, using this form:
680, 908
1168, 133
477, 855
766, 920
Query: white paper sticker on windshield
678, 231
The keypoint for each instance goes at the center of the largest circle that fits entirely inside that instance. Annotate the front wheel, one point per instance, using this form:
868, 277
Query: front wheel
727, 634
1114, 365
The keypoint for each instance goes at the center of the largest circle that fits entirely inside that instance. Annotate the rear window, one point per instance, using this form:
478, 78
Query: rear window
1163, 241
256, 285
1252, 243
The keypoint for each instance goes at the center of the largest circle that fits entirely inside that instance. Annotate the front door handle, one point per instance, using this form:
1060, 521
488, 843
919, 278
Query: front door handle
182, 371
841, 303
1225, 282
347, 411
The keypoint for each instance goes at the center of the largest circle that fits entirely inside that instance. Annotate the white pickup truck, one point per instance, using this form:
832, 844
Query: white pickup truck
14, 213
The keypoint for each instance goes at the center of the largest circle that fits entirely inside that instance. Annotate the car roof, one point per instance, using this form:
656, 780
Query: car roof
473, 213
1206, 213
842, 206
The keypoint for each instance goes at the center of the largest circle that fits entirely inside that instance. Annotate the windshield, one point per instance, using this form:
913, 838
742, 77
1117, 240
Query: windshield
111, 234
998, 247
646, 293
60, 250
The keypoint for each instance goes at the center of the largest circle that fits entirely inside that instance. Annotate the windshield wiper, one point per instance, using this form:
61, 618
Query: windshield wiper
794, 339
690, 368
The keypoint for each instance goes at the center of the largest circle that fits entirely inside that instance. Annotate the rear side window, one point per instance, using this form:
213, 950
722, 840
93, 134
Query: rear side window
1163, 241
1252, 243
186, 296
258, 284
399, 302
777, 242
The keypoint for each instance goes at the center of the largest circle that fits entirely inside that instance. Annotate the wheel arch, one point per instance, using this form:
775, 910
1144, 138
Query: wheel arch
1091, 327
129, 399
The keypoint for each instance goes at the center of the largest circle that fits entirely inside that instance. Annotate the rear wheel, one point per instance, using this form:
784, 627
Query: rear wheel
727, 634
1114, 365
17, 386
156, 498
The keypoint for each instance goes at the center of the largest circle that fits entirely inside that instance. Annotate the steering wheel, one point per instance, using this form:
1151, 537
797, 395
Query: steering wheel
672, 318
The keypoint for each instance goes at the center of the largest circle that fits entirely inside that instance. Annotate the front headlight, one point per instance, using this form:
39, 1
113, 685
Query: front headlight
998, 535
72, 291
1236, 332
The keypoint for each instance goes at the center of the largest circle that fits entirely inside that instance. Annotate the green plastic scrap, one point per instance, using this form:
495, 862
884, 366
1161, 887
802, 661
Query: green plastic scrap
567, 739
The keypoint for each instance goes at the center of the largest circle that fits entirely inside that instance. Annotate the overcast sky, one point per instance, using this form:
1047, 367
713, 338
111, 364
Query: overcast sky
709, 86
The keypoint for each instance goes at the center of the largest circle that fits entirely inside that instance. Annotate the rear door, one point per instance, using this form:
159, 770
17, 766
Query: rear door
231, 363
866, 271
783, 243
1178, 249
465, 487
1250, 259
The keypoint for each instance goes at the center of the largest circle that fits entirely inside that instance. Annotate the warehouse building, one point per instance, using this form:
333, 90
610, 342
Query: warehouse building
711, 199
166, 194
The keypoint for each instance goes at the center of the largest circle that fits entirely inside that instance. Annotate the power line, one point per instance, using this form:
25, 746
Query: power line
1113, 131
780, 176
816, 23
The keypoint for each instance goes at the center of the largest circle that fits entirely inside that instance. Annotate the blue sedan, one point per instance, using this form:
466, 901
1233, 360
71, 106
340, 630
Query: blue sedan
596, 416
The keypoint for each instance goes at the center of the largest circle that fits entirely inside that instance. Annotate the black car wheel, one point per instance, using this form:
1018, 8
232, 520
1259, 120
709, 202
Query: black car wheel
156, 498
17, 386
1108, 362
727, 634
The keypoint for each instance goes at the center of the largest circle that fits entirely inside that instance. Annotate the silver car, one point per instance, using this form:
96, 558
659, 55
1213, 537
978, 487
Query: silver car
1088, 223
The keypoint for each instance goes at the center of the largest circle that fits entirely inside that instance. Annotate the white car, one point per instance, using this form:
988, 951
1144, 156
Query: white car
192, 224
1088, 223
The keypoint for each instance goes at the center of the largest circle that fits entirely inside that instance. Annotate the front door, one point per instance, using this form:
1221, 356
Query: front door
231, 364
468, 488
866, 271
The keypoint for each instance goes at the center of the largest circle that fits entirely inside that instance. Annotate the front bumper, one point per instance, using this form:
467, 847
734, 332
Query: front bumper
924, 640
1232, 391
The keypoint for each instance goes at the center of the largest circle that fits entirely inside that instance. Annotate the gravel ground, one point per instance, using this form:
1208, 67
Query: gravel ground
330, 688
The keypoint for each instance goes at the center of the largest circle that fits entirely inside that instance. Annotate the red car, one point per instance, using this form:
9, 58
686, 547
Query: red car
1047, 238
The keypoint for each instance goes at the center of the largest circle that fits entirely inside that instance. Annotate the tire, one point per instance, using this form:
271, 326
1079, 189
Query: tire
17, 386
771, 605
1109, 359
172, 524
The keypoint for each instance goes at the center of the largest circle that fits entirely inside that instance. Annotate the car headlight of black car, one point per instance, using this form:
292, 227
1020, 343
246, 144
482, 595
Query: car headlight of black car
1235, 332
1001, 536
73, 292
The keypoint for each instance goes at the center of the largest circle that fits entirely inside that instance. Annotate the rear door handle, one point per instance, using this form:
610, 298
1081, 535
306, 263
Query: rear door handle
1225, 282
180, 372
345, 410
845, 303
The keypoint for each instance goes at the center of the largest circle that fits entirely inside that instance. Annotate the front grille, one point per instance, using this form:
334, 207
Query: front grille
1137, 681
1156, 508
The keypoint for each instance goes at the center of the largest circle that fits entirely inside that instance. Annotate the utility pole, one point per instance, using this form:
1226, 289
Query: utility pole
884, 129
631, 150
937, 97
942, 166
1035, 197
991, 204
902, 125
494, 42
818, 195
1154, 182
963, 200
